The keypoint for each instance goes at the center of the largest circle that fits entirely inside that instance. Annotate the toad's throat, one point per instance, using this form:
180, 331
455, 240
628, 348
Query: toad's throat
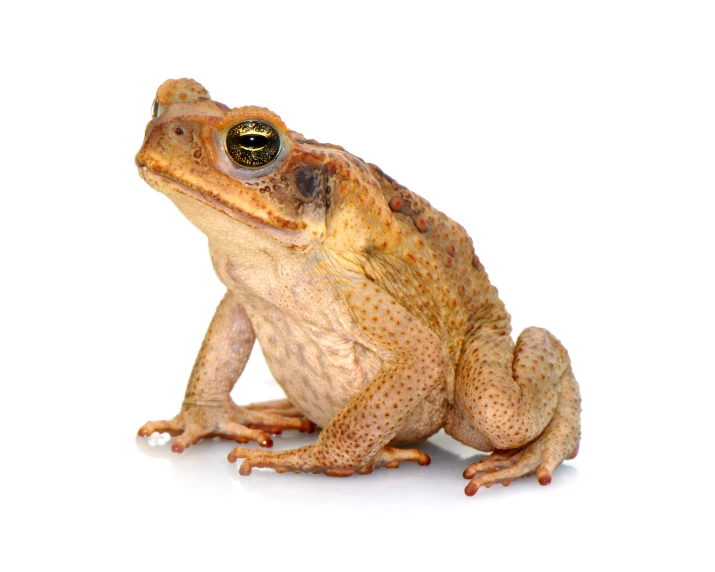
271, 224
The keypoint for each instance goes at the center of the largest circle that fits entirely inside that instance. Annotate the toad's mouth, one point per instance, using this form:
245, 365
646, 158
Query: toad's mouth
272, 224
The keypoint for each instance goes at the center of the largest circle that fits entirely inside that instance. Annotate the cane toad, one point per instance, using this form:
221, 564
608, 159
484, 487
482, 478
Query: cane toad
372, 310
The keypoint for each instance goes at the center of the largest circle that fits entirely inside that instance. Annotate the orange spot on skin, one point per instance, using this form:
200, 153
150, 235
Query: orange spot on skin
395, 204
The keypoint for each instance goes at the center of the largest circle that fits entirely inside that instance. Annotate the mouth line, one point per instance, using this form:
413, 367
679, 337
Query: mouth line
216, 204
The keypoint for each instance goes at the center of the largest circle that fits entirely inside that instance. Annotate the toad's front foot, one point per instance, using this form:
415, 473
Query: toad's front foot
226, 420
313, 459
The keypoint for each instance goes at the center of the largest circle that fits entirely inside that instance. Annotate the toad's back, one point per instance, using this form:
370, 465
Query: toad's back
435, 274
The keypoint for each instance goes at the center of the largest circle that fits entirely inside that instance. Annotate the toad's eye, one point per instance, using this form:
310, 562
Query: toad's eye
157, 109
252, 144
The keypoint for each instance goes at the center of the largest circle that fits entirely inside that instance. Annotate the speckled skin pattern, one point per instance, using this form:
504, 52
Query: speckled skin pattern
370, 306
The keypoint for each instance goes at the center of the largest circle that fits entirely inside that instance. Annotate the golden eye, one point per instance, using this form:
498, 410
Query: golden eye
252, 144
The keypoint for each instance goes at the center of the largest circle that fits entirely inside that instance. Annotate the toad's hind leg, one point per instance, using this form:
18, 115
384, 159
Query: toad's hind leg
521, 402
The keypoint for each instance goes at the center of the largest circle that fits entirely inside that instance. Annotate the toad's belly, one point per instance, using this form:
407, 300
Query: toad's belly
320, 371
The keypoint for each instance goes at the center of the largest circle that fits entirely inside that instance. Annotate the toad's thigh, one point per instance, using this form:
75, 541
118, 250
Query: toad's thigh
508, 394
459, 425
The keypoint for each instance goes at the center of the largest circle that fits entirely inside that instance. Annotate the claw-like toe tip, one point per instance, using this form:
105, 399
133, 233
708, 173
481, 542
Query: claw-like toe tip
469, 473
544, 477
471, 489
245, 469
267, 442
177, 448
339, 472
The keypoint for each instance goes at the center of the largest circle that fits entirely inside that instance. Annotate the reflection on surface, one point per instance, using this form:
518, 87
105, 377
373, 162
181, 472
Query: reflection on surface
204, 465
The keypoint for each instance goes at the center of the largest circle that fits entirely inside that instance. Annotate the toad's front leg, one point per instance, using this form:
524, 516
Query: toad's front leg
208, 410
355, 439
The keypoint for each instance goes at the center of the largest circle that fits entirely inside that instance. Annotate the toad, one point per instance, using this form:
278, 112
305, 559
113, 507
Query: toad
370, 306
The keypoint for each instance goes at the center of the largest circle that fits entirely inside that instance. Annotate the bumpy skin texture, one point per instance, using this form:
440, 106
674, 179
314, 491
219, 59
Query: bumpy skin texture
370, 307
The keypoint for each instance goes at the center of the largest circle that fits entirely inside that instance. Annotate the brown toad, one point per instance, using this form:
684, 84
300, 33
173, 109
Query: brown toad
370, 306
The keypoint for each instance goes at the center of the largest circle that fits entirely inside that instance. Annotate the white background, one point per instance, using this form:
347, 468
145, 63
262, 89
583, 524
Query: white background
578, 147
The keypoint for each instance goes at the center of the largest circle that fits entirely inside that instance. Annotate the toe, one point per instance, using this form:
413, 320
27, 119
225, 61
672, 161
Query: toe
239, 453
273, 421
495, 462
543, 475
191, 435
242, 434
172, 426
390, 457
253, 458
280, 404
521, 464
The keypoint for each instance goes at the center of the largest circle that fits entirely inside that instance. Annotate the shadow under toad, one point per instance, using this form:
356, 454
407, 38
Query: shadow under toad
435, 484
